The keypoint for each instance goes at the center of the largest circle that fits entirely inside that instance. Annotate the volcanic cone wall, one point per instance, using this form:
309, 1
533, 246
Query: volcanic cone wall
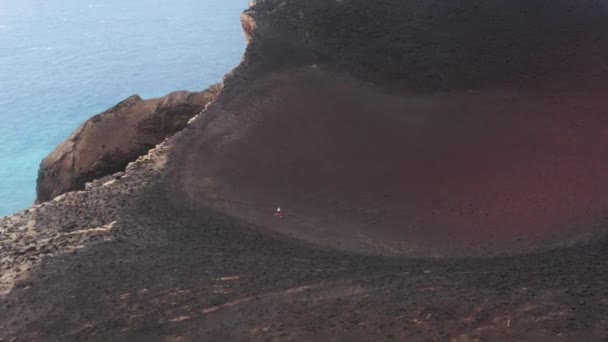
430, 128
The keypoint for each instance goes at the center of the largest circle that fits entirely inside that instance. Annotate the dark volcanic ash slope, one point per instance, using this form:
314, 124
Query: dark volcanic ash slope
363, 153
436, 45
411, 127
107, 142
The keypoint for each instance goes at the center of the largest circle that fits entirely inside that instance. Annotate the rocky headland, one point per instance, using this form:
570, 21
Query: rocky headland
108, 141
440, 166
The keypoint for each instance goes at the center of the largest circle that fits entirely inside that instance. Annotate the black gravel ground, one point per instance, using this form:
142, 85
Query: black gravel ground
202, 277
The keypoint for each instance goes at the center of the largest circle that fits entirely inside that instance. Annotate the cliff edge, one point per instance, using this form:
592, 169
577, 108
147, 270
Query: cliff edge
107, 142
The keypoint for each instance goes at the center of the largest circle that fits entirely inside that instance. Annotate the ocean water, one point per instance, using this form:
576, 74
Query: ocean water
63, 61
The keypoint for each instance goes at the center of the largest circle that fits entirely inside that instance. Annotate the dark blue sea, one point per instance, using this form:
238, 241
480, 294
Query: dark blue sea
63, 61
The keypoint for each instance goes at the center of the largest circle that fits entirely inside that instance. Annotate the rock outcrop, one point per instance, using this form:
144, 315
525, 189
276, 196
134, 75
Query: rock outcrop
107, 142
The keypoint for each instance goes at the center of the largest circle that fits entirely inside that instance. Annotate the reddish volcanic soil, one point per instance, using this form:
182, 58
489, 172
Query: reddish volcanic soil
416, 128
472, 173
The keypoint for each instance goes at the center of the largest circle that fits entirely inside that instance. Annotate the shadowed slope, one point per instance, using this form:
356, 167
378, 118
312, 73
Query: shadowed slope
438, 174
437, 44
364, 152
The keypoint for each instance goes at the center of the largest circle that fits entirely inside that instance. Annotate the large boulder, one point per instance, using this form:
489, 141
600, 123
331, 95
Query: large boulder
107, 142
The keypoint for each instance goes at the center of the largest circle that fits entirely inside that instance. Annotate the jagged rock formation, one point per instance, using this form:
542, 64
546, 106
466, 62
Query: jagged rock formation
107, 142
403, 128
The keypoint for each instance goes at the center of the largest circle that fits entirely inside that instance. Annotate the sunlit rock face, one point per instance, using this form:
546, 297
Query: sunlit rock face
107, 142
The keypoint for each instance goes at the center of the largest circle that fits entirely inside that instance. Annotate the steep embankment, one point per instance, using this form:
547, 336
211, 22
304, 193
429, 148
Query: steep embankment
416, 128
107, 142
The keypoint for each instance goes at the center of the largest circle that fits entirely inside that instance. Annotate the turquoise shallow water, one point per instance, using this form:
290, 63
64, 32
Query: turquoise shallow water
63, 61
